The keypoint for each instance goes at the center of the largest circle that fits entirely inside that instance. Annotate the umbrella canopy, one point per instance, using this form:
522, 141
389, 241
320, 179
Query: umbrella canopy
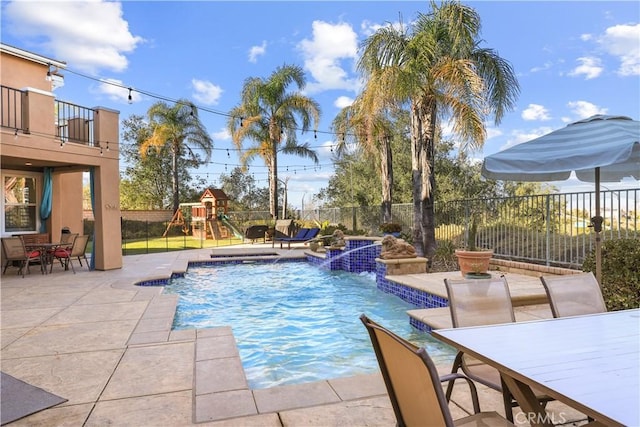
600, 148
611, 143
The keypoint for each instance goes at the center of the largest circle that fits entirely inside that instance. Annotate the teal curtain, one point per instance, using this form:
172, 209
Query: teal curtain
92, 263
45, 204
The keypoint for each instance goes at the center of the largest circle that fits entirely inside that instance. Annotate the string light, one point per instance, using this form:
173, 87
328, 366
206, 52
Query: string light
167, 99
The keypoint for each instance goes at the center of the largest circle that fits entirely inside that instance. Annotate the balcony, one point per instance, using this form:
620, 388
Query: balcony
72, 123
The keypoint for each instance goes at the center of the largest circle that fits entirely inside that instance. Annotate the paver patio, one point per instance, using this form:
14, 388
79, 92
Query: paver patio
106, 345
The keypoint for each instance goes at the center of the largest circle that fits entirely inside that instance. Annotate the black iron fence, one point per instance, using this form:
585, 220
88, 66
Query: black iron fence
550, 229
74, 123
11, 115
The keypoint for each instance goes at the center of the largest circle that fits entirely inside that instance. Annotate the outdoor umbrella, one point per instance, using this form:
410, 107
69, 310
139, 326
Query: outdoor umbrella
600, 148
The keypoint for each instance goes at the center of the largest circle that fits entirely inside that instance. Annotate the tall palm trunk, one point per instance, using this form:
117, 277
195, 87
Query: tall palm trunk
416, 176
387, 178
273, 184
175, 184
423, 116
428, 181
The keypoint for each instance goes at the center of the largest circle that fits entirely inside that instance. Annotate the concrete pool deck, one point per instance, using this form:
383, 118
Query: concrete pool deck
107, 346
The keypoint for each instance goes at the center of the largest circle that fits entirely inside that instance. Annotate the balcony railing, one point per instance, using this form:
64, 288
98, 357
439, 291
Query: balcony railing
74, 123
11, 108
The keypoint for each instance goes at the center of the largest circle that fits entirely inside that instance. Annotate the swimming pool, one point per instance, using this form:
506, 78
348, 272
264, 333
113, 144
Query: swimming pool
293, 322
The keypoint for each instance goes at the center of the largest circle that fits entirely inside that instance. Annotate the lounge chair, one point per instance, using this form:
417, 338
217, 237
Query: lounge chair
15, 251
282, 229
413, 384
574, 294
476, 302
303, 235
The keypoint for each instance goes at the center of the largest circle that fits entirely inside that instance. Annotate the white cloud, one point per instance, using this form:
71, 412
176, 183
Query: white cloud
98, 37
343, 101
546, 66
493, 132
584, 109
222, 135
115, 91
520, 136
324, 54
256, 51
535, 112
623, 42
590, 67
206, 92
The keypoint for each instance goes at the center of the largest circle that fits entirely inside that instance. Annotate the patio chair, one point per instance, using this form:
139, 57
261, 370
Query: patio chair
476, 302
63, 254
303, 235
414, 386
574, 294
282, 230
256, 232
79, 249
15, 251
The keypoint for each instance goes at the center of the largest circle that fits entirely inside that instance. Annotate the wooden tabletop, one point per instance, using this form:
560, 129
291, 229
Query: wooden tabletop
591, 363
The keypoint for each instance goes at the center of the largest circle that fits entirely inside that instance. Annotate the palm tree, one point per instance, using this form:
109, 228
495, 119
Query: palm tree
177, 128
364, 124
267, 115
438, 68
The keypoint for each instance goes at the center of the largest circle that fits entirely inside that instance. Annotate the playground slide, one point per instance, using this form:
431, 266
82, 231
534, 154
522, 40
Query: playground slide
232, 227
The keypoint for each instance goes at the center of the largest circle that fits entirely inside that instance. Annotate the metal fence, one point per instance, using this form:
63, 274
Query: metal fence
11, 113
550, 229
74, 123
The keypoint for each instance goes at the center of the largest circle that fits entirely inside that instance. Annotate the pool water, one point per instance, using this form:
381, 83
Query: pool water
293, 322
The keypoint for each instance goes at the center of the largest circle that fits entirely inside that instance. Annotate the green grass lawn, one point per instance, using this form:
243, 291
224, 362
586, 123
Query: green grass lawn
177, 243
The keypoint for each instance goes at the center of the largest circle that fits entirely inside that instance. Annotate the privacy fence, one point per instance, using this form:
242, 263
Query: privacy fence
550, 229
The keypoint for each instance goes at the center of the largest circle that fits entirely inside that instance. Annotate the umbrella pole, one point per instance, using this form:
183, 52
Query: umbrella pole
597, 227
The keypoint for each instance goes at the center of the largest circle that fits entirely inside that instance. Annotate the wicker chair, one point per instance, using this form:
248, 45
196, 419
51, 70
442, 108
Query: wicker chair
414, 386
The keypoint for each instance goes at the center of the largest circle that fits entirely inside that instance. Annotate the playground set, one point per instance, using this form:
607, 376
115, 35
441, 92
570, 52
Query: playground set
209, 220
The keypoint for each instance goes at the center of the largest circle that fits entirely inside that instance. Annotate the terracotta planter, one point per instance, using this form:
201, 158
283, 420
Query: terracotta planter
473, 261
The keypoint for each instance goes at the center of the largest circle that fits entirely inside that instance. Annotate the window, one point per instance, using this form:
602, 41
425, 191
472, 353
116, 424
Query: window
20, 199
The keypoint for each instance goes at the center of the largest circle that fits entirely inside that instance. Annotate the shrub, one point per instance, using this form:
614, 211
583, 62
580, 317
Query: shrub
390, 227
620, 276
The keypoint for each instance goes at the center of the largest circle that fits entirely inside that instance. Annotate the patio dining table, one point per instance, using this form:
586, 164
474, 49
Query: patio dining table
591, 363
46, 252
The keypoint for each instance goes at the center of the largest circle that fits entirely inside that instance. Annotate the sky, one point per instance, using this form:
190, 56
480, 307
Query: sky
573, 59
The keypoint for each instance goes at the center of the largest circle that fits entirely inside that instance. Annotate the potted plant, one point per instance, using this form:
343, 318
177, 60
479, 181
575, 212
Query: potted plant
473, 262
392, 228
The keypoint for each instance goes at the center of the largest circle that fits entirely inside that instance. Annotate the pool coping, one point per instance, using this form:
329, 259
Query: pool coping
221, 390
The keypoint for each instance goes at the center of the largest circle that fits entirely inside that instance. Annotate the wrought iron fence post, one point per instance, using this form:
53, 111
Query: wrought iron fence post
547, 254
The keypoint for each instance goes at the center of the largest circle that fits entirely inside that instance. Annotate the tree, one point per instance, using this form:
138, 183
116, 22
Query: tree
438, 68
243, 193
267, 115
370, 127
146, 182
176, 129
